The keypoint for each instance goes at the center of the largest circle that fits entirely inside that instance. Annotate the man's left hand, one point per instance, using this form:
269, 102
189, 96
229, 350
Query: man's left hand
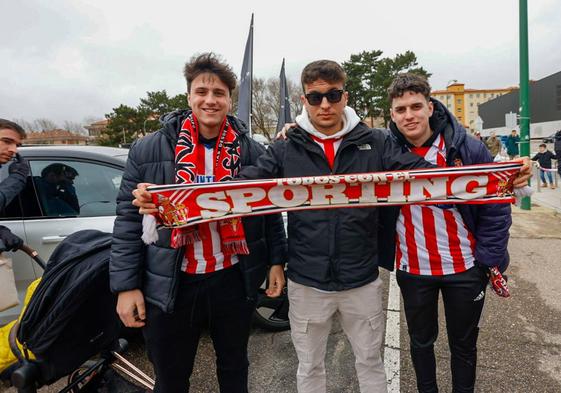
276, 281
525, 172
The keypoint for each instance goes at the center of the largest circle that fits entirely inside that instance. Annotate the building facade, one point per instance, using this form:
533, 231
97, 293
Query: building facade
55, 137
464, 103
545, 109
97, 128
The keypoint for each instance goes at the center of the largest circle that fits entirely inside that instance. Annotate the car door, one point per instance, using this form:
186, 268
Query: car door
72, 195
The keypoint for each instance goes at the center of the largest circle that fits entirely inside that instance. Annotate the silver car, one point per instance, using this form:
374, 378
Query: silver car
70, 188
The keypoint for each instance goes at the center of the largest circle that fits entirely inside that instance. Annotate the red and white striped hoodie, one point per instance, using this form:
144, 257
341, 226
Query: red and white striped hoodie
433, 240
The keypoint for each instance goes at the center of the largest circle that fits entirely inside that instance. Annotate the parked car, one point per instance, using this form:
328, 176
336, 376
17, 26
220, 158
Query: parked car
71, 188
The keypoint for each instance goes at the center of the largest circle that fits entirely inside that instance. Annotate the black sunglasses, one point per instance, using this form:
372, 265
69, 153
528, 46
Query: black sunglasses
333, 96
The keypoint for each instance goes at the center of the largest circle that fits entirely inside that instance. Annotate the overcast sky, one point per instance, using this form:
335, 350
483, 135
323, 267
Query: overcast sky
72, 59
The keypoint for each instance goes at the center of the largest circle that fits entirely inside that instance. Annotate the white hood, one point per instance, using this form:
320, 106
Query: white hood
350, 121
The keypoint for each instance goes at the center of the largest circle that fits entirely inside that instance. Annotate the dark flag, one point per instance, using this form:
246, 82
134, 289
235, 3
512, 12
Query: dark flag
244, 98
284, 110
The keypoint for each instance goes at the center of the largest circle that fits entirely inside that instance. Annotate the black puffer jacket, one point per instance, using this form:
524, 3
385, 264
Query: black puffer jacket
333, 249
155, 268
10, 188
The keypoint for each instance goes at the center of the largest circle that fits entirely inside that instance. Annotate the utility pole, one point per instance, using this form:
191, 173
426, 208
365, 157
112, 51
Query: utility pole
524, 90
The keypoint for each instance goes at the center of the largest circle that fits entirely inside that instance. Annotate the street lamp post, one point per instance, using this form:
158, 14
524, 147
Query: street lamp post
524, 90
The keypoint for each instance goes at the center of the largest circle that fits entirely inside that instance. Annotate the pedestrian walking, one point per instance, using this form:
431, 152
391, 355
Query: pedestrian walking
543, 158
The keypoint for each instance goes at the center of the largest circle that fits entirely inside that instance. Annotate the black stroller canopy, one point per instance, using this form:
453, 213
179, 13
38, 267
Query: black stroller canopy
71, 316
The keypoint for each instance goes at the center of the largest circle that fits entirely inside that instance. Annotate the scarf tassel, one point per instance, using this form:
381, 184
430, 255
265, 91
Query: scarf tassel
149, 229
182, 238
235, 247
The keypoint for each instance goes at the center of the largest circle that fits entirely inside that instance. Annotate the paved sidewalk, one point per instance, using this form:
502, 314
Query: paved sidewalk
546, 196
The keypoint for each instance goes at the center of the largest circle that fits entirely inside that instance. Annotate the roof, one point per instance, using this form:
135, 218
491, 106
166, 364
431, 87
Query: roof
112, 155
54, 135
505, 89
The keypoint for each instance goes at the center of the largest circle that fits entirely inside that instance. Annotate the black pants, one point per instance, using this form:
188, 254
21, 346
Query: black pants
218, 302
463, 296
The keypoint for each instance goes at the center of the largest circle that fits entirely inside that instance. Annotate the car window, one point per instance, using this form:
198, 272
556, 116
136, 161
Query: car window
75, 188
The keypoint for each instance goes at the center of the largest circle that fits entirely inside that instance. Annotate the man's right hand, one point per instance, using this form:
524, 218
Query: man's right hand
143, 199
19, 166
131, 309
281, 136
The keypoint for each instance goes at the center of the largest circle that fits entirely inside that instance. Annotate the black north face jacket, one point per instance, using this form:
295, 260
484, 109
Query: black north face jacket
155, 268
333, 249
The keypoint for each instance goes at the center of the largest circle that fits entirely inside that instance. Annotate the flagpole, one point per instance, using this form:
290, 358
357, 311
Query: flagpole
245, 99
251, 80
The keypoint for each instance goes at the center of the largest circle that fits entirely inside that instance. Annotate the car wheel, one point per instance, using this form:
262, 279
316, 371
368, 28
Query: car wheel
272, 313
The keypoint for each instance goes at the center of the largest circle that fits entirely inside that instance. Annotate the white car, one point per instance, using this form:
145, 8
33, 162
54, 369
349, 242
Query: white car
70, 188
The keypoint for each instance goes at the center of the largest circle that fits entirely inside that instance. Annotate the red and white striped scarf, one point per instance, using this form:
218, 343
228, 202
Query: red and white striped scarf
227, 164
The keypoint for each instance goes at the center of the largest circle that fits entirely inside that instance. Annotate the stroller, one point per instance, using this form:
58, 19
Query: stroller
70, 327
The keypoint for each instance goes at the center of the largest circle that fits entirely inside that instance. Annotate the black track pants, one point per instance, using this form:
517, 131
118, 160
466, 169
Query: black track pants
463, 296
218, 302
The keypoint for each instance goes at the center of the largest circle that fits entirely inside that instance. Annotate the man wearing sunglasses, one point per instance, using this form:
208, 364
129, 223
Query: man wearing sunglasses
334, 253
11, 135
332, 264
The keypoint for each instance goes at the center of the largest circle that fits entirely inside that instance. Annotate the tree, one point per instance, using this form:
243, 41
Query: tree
74, 127
26, 125
156, 104
369, 76
266, 104
125, 124
44, 124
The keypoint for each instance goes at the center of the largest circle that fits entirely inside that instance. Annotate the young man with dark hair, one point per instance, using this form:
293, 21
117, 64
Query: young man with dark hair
441, 248
202, 276
11, 136
544, 157
333, 253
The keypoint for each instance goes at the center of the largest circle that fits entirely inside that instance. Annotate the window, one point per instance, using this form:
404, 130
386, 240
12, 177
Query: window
471, 104
477, 95
459, 100
74, 188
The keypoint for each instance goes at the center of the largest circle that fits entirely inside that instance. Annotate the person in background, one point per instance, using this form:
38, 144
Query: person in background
543, 158
512, 142
11, 136
493, 144
557, 149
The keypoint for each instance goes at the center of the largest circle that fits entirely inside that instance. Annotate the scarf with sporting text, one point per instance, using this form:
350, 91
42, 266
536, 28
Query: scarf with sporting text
190, 163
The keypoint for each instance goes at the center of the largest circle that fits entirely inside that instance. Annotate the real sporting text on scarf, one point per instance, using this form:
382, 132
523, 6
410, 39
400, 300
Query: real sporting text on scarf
189, 204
